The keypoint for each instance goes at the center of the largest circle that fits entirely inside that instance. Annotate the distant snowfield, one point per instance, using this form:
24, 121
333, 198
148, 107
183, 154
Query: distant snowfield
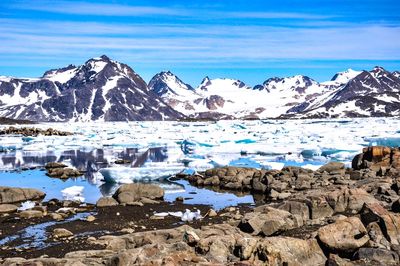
202, 145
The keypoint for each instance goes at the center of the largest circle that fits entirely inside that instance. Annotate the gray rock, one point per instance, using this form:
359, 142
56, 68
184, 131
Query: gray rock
63, 173
128, 193
8, 208
377, 255
388, 222
266, 220
29, 214
61, 233
106, 202
14, 195
332, 168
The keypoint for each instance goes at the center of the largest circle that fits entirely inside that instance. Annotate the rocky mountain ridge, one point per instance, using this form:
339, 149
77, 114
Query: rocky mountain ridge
105, 90
99, 90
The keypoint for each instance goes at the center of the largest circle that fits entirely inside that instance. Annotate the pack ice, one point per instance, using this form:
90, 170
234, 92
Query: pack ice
166, 148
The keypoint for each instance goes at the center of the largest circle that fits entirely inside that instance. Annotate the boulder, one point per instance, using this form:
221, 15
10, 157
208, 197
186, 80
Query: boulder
63, 173
61, 233
90, 218
388, 222
338, 199
297, 209
53, 165
29, 214
319, 207
377, 255
358, 197
376, 158
7, 208
14, 195
290, 251
128, 193
266, 220
332, 167
106, 202
344, 235
377, 239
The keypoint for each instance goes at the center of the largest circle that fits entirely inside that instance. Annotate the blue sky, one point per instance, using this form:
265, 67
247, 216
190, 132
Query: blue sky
247, 40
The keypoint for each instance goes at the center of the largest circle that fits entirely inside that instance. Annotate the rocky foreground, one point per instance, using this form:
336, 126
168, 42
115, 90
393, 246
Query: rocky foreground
332, 216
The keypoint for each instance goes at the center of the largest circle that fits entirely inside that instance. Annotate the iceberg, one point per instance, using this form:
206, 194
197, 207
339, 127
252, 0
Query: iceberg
74, 193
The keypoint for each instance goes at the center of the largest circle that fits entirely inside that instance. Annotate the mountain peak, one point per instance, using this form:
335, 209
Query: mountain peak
105, 58
167, 72
378, 69
344, 76
167, 82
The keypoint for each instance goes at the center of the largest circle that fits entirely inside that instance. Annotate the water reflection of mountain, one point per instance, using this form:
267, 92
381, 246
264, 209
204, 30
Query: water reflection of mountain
89, 161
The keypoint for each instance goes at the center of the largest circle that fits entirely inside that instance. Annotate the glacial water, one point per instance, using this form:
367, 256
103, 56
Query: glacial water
157, 150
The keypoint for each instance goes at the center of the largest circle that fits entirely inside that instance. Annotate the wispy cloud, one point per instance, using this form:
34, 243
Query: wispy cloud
118, 10
156, 35
274, 15
101, 9
200, 43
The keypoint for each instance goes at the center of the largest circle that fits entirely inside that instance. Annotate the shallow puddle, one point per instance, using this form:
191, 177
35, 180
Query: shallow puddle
36, 236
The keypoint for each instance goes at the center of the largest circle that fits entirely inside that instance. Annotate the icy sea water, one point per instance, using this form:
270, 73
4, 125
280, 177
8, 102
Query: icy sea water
158, 150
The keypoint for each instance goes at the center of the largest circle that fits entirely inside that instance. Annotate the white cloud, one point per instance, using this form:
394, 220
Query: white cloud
157, 45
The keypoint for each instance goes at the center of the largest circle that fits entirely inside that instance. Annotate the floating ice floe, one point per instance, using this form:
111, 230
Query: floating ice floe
27, 205
125, 175
187, 216
313, 167
273, 165
74, 193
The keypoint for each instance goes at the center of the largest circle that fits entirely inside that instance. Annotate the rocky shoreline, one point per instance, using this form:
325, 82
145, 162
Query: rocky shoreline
331, 216
33, 131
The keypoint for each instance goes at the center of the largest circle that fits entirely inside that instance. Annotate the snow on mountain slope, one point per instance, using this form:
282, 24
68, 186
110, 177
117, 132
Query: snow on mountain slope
342, 77
174, 91
101, 89
371, 93
61, 75
275, 97
105, 90
348, 93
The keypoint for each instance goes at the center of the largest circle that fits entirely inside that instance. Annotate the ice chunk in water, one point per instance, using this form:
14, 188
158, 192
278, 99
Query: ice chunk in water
27, 205
388, 141
74, 193
128, 175
273, 165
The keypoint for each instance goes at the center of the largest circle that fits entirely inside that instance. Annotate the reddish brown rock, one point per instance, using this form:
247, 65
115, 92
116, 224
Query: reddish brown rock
376, 158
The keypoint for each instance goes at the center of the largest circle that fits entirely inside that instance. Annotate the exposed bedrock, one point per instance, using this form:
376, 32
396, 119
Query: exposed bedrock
331, 216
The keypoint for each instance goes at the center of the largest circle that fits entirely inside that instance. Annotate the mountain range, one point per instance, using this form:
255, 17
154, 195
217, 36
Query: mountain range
105, 90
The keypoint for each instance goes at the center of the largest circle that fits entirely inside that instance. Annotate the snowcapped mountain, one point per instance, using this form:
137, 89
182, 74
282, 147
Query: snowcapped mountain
174, 91
101, 89
370, 93
348, 94
234, 99
105, 90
